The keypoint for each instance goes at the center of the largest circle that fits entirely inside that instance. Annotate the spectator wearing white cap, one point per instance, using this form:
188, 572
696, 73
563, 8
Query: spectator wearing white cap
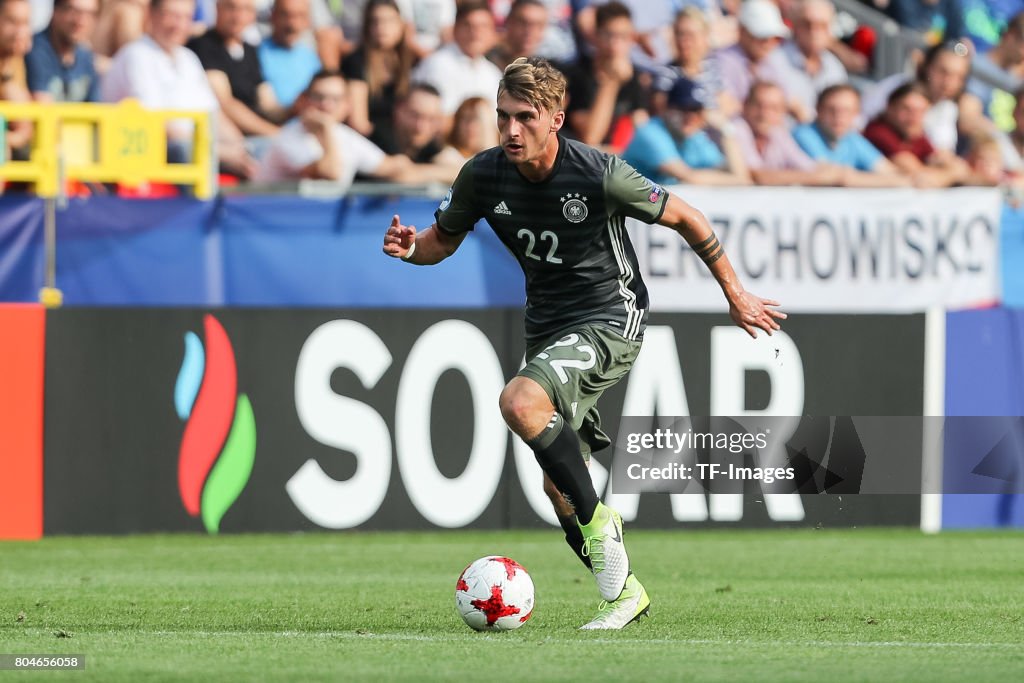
761, 32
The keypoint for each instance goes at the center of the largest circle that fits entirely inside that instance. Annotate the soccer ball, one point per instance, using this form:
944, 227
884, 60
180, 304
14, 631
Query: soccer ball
494, 594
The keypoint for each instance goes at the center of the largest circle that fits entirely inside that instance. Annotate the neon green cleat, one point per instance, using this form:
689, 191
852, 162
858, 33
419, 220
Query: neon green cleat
602, 543
631, 605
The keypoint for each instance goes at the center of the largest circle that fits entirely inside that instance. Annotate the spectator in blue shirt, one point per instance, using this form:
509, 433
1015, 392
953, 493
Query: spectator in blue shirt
833, 138
676, 148
60, 67
288, 63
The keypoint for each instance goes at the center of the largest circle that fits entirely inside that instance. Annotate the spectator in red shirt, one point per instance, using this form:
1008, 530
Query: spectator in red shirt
899, 134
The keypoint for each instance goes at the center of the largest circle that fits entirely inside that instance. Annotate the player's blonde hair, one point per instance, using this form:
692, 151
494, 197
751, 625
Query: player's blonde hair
534, 80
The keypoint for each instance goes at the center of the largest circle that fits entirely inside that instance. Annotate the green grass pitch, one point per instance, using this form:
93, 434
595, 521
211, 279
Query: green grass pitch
782, 605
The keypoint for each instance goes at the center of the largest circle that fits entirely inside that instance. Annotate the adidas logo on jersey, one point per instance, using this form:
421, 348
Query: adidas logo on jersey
502, 209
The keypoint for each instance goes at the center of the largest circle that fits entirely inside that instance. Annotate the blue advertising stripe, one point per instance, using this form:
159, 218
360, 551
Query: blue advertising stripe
1011, 254
253, 251
282, 252
113, 251
21, 248
984, 376
277, 251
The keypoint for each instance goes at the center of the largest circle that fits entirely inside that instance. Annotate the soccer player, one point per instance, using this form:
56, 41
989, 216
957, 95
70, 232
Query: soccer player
560, 207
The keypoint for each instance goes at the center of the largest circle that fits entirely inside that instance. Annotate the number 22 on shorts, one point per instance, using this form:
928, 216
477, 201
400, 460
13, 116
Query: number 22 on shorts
560, 364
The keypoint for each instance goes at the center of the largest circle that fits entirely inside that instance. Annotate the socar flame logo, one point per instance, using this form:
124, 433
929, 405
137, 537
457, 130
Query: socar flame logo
218, 447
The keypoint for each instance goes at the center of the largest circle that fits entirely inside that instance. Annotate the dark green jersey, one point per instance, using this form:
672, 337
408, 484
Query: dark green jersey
567, 232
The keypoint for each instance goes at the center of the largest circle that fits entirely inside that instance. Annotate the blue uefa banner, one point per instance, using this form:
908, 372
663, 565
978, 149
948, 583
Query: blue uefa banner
291, 251
985, 376
114, 252
245, 251
280, 252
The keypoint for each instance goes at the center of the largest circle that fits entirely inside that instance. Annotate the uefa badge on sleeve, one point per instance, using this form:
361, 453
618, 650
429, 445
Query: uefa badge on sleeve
446, 202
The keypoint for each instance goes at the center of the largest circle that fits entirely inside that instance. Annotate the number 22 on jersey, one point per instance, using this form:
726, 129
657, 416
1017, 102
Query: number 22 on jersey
531, 242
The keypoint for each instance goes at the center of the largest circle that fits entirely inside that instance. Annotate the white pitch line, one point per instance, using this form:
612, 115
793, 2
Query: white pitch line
415, 637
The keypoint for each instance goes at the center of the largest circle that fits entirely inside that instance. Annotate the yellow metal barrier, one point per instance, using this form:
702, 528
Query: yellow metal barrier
107, 143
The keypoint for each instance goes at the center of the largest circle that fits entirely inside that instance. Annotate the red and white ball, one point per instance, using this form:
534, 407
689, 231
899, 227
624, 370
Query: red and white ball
494, 594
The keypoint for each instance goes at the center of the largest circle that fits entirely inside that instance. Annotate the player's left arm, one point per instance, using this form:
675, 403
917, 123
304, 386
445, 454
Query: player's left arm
747, 310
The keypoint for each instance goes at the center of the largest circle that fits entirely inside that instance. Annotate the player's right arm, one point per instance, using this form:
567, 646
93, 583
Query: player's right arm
747, 310
431, 246
453, 220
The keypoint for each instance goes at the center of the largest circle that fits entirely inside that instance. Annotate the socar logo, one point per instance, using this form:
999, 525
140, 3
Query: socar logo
218, 447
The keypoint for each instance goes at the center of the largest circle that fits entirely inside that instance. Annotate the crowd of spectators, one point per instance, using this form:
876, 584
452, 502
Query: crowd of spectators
715, 92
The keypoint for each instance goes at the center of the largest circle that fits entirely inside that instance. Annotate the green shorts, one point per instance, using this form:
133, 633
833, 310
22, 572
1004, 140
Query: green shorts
574, 368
